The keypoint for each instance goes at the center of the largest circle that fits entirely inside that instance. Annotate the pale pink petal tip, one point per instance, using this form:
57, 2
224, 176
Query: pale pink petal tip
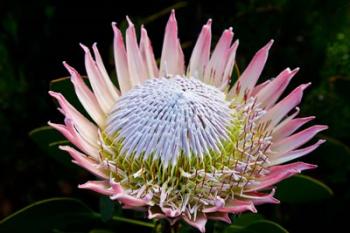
154, 212
268, 45
278, 173
198, 223
238, 206
53, 94
84, 47
69, 68
296, 70
72, 71
129, 200
224, 217
298, 139
172, 14
209, 22
115, 28
306, 85
294, 154
130, 23
262, 198
94, 47
102, 187
250, 75
172, 58
321, 141
85, 162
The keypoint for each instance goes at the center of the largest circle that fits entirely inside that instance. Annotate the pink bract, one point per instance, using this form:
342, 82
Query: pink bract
182, 142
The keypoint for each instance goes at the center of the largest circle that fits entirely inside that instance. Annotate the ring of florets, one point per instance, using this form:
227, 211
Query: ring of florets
224, 153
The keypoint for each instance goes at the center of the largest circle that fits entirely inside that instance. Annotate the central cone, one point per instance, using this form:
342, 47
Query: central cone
167, 117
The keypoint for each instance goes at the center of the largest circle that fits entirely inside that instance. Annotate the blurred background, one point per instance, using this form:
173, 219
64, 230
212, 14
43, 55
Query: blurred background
35, 37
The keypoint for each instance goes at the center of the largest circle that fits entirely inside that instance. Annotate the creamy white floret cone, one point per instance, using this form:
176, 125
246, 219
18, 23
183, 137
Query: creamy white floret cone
183, 143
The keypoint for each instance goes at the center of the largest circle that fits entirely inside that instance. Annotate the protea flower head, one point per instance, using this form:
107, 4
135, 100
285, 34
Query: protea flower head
183, 143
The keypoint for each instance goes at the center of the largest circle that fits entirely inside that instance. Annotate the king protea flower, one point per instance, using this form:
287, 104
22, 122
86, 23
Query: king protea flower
182, 142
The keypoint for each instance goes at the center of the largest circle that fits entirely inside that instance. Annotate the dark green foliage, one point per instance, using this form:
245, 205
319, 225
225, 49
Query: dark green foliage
63, 215
302, 189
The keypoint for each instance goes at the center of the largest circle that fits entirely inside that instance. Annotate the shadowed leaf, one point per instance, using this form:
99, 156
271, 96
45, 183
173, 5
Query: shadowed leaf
43, 216
260, 226
48, 140
301, 189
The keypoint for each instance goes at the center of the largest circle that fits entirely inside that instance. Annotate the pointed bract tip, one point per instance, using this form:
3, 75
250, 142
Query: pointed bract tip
143, 31
70, 69
322, 127
228, 32
295, 70
209, 22
306, 85
321, 141
66, 65
53, 93
115, 28
62, 147
130, 23
252, 208
312, 166
172, 15
268, 45
53, 125
85, 48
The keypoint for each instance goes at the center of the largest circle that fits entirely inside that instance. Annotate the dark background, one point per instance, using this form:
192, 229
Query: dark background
35, 37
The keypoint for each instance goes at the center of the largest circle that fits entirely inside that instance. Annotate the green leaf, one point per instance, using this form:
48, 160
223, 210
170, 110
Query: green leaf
106, 208
58, 214
247, 218
263, 226
43, 216
340, 152
100, 231
301, 189
260, 226
48, 140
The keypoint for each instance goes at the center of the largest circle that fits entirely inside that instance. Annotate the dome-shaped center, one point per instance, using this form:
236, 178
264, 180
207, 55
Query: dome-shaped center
167, 117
